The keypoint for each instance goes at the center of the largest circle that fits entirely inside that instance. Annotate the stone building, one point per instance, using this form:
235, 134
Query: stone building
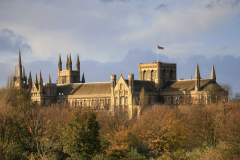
158, 79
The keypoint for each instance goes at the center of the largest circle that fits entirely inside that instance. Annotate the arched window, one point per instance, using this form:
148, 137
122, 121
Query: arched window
144, 75
76, 103
153, 76
121, 86
121, 100
126, 100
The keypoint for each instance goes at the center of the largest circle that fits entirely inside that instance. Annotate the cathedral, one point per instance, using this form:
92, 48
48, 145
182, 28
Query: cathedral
158, 79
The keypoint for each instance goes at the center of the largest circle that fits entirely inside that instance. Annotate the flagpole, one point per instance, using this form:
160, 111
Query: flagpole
157, 53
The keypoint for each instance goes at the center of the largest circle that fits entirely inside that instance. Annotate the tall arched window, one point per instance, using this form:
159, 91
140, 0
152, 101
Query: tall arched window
170, 74
121, 86
153, 76
116, 100
144, 75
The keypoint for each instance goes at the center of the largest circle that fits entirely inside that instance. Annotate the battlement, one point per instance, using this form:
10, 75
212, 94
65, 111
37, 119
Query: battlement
156, 63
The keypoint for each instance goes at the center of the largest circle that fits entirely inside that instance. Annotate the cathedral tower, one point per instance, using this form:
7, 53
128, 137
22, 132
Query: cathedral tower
68, 76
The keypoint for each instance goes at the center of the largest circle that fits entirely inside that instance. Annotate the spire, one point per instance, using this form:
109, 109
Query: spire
197, 79
49, 79
83, 78
15, 71
59, 58
36, 80
30, 80
40, 78
67, 63
213, 75
78, 64
70, 59
23, 72
19, 66
197, 73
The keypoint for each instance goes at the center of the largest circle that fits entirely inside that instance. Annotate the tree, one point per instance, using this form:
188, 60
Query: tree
143, 102
81, 137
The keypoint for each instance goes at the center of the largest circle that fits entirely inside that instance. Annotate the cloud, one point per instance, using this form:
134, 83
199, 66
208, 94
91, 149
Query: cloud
10, 42
161, 7
109, 1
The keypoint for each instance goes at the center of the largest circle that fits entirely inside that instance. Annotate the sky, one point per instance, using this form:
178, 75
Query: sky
114, 36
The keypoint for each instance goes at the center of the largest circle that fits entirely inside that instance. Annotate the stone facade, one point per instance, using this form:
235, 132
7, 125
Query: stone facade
158, 79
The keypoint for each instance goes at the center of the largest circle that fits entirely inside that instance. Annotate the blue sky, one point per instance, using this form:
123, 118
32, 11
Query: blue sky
113, 36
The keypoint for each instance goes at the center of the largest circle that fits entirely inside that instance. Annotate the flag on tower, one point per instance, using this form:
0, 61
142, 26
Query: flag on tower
160, 47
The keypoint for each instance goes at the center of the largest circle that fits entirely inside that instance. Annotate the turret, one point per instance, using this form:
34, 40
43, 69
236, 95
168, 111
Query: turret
197, 79
83, 78
131, 82
49, 79
67, 63
30, 81
19, 70
59, 64
78, 68
113, 82
40, 82
36, 80
70, 62
213, 75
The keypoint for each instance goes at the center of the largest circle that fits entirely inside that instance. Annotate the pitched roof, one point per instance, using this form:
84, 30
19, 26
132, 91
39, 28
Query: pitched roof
189, 85
85, 88
139, 84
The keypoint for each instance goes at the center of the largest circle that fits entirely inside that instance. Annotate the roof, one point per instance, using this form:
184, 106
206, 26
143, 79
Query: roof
85, 88
139, 84
189, 85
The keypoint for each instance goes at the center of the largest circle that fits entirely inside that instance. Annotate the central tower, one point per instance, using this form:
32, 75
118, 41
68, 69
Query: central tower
157, 72
68, 76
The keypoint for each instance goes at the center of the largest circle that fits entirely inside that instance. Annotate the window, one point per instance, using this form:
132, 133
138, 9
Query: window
109, 102
121, 86
172, 100
76, 103
116, 100
144, 75
84, 103
122, 100
126, 100
153, 76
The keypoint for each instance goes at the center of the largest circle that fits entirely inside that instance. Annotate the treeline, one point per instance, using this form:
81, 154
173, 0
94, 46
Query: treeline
30, 131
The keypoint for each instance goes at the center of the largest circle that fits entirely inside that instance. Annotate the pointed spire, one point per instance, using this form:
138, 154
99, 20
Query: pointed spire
40, 78
23, 72
30, 80
59, 58
15, 71
19, 60
67, 63
77, 58
19, 66
49, 79
213, 75
36, 80
83, 78
70, 59
197, 73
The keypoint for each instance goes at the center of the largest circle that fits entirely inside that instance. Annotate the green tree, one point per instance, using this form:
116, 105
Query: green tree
143, 102
81, 135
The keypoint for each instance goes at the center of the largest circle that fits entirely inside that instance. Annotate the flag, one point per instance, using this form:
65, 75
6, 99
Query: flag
160, 47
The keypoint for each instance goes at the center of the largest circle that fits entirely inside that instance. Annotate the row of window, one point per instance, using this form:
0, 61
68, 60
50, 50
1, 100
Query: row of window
91, 103
121, 100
